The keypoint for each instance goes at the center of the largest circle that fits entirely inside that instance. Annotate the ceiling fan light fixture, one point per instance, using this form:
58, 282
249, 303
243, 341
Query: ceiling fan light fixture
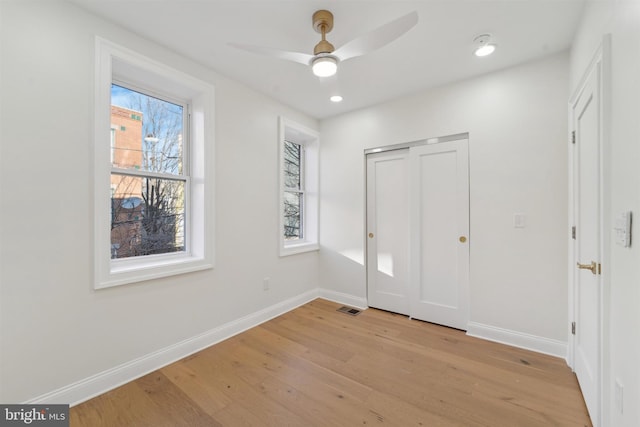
483, 45
324, 66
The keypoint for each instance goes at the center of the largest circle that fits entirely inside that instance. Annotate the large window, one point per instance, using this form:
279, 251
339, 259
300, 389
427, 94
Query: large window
153, 160
149, 176
299, 188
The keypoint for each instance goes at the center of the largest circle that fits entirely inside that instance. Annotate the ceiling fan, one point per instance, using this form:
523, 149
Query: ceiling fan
325, 58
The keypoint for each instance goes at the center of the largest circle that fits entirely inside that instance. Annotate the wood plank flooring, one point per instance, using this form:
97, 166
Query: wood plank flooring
315, 366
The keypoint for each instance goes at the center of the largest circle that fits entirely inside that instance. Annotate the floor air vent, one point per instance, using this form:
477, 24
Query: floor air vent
349, 310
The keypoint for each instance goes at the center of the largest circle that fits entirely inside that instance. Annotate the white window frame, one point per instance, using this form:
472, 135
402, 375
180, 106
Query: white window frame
114, 62
299, 191
309, 139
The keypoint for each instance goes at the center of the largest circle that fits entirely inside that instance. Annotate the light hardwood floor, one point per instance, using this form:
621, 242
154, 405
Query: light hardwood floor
315, 366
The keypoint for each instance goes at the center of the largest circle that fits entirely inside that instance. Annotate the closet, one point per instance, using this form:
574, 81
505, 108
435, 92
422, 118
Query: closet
418, 229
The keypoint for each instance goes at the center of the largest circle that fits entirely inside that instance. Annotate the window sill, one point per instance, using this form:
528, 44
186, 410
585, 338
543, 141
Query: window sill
123, 272
298, 248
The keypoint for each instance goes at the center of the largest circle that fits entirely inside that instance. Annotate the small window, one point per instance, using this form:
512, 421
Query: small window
153, 169
293, 191
299, 188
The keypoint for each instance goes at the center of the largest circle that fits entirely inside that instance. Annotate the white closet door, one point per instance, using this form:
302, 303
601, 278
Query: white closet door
388, 231
439, 221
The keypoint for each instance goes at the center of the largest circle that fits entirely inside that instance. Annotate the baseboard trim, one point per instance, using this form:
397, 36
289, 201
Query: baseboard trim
342, 298
518, 339
102, 382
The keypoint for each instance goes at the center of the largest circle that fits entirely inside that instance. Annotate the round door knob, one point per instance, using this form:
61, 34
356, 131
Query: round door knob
371, 235
462, 239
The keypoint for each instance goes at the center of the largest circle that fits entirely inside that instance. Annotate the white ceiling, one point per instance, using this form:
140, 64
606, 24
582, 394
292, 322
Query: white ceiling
437, 51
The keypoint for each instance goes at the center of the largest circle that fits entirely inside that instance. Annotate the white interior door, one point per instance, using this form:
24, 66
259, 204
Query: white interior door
439, 266
388, 230
587, 122
417, 231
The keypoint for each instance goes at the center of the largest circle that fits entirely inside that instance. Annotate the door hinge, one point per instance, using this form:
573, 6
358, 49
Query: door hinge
573, 328
573, 136
573, 232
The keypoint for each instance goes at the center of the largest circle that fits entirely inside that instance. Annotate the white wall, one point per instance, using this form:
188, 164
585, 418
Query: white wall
621, 19
517, 124
55, 328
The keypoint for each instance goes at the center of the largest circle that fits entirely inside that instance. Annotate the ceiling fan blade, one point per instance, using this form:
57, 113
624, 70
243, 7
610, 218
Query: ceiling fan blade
301, 58
377, 38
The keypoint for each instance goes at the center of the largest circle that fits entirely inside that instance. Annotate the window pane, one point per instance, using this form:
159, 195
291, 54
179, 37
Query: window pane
147, 132
293, 202
147, 216
292, 165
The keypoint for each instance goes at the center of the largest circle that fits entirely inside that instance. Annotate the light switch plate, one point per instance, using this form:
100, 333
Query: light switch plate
519, 220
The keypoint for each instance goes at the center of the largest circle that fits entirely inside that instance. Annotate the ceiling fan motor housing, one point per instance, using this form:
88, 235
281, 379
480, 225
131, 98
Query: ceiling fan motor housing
323, 47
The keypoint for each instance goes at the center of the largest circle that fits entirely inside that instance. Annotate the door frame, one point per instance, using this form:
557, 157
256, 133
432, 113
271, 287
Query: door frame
599, 63
419, 142
416, 143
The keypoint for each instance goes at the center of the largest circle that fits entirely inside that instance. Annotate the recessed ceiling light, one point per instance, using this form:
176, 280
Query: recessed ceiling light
483, 45
485, 50
336, 98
